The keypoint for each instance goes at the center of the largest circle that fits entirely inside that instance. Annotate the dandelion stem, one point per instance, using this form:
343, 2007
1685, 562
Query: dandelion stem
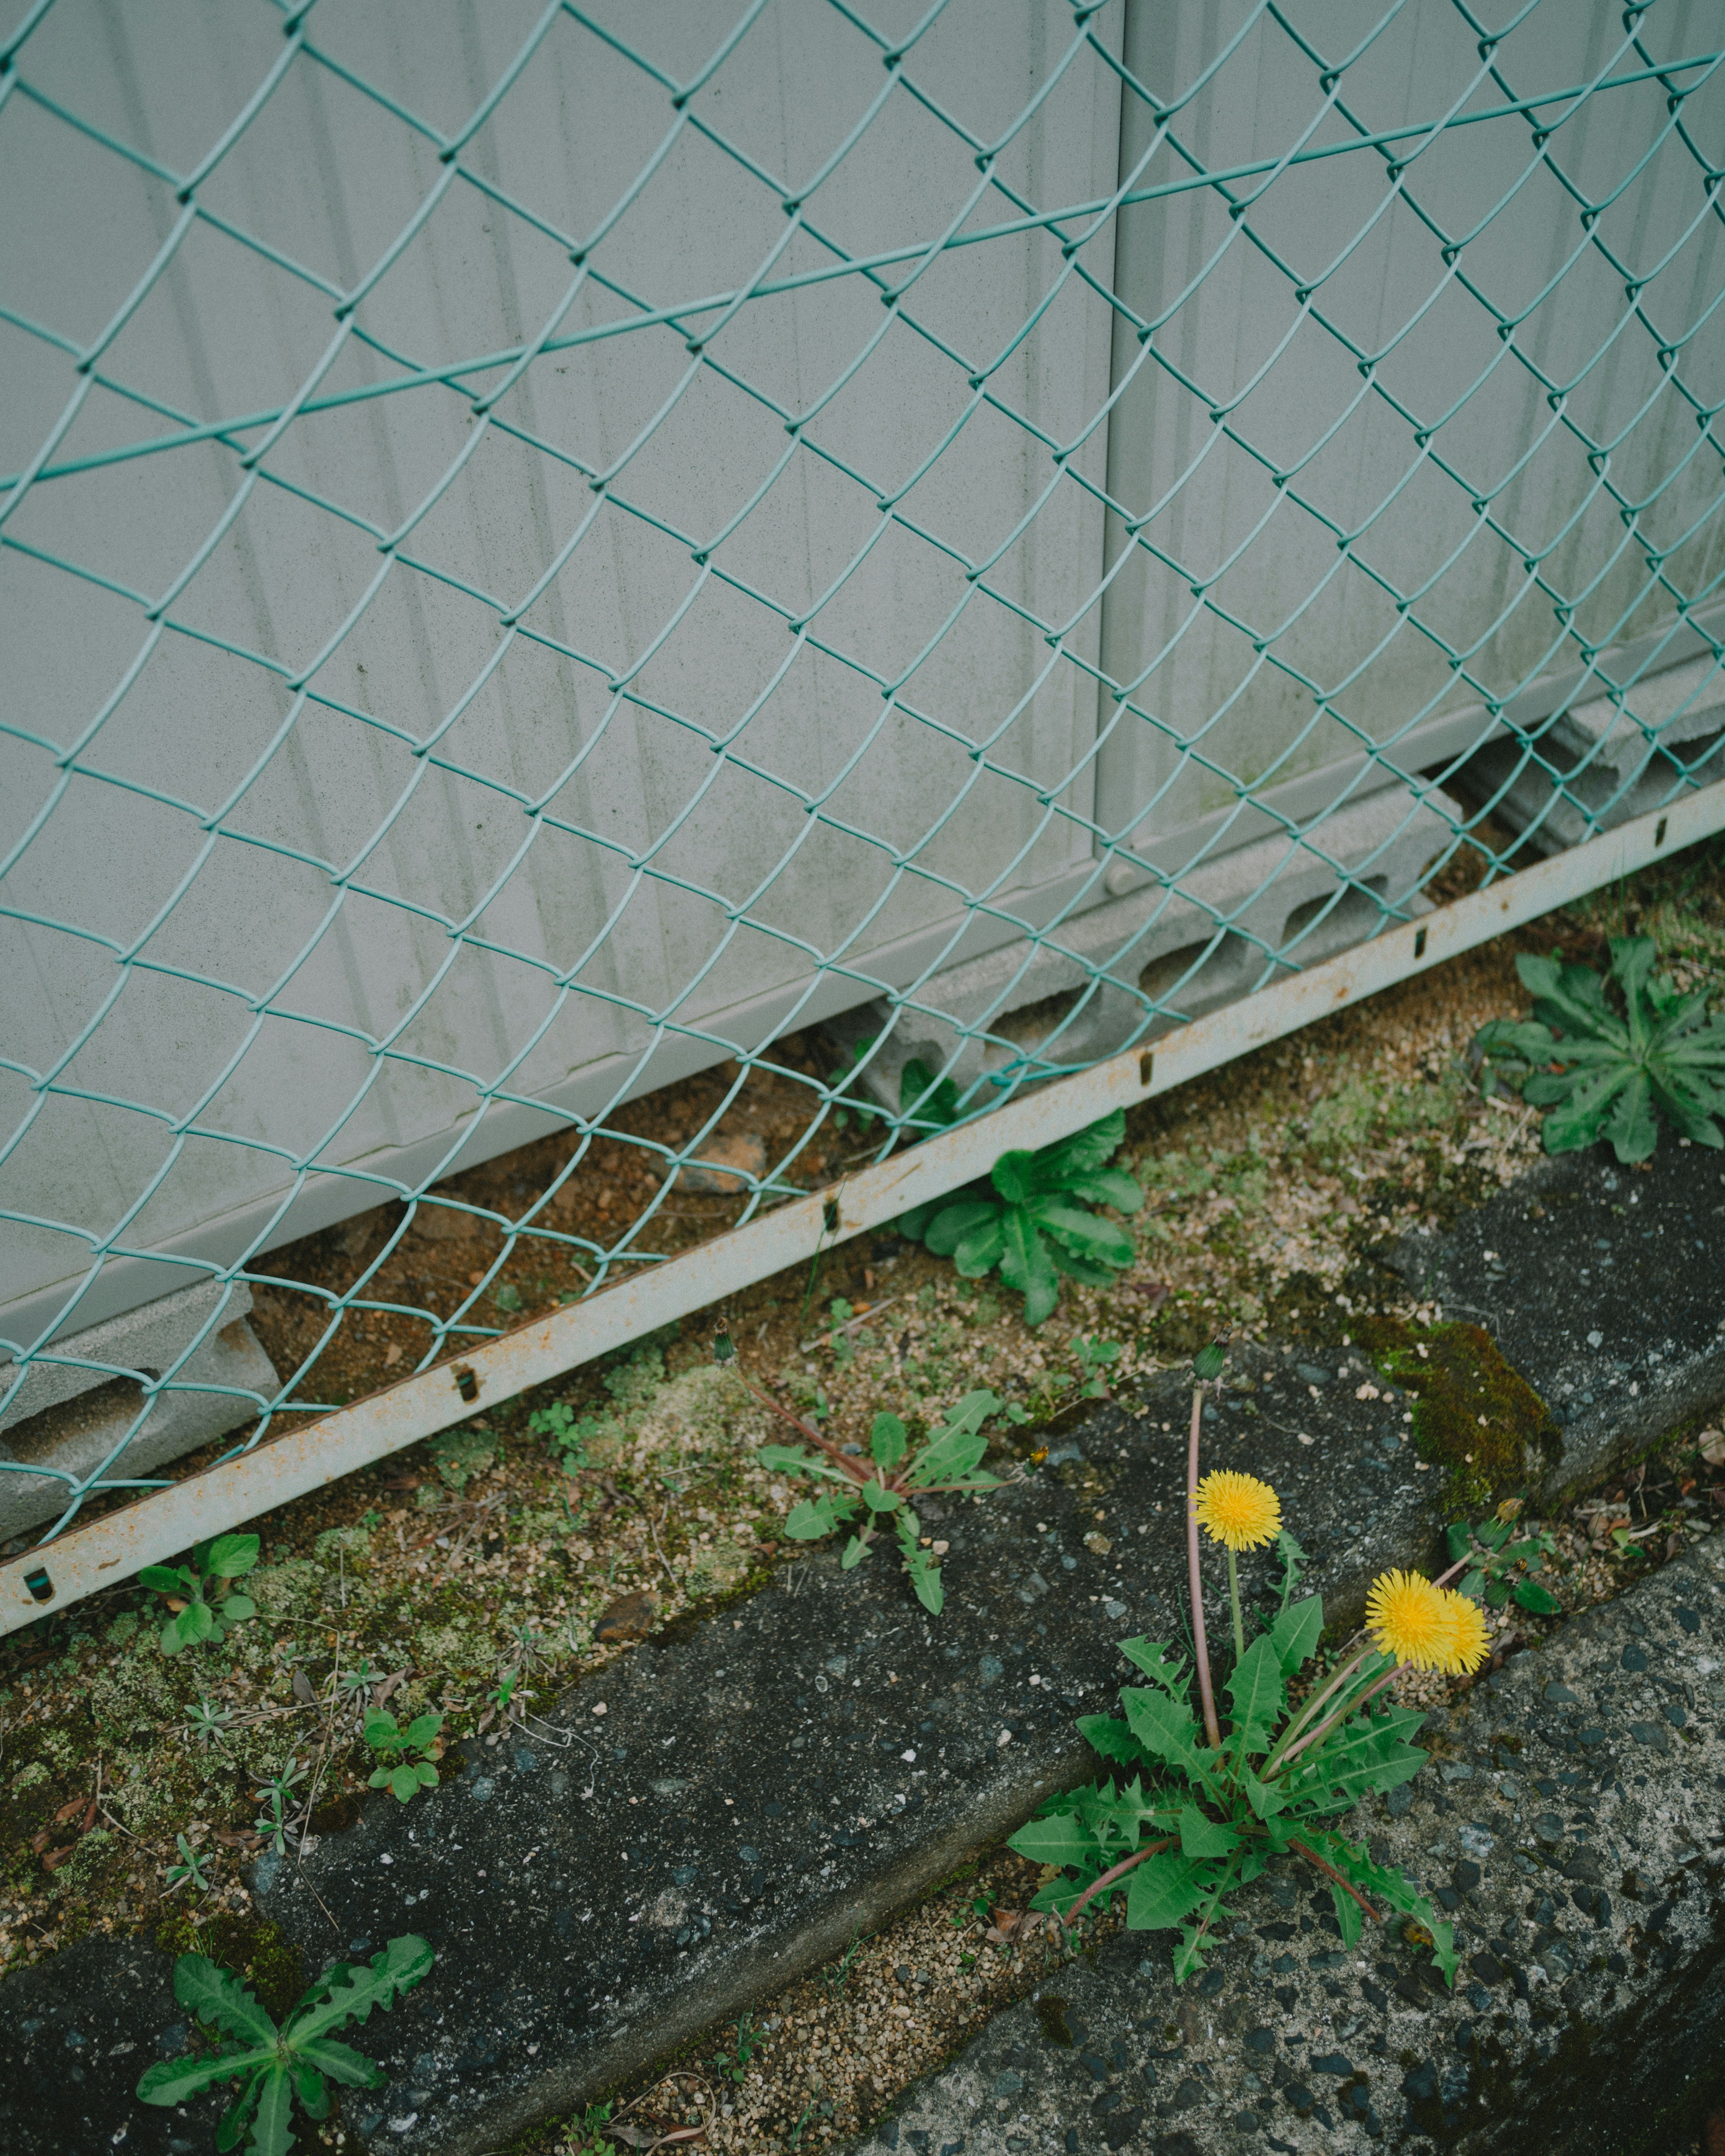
1330, 1872
1200, 1646
1312, 1707
1233, 1601
1108, 1878
1347, 1707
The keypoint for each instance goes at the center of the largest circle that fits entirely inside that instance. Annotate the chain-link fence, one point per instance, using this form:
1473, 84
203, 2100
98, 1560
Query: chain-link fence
603, 599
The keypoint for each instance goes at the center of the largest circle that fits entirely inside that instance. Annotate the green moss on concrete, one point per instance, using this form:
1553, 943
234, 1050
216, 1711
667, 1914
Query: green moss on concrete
1475, 1415
256, 1951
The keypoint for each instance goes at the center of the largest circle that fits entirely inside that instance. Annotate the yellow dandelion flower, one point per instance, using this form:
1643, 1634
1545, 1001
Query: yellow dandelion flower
1468, 1644
1238, 1510
1406, 1616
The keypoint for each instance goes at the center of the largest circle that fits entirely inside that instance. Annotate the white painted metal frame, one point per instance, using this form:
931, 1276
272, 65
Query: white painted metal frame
112, 1548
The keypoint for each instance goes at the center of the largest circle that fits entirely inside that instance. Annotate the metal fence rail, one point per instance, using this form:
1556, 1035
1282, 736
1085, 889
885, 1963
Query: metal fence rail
587, 585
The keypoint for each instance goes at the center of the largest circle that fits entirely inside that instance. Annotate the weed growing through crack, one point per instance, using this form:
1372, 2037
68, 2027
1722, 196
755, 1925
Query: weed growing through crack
275, 2065
199, 1603
734, 2064
1219, 1809
837, 1974
277, 1795
1499, 1563
189, 1870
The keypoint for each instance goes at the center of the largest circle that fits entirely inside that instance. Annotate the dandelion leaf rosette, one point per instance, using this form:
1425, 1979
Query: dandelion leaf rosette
1033, 1221
1199, 1821
1610, 1069
278, 2068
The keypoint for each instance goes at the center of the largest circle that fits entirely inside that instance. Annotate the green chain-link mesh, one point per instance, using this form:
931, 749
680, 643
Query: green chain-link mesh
552, 550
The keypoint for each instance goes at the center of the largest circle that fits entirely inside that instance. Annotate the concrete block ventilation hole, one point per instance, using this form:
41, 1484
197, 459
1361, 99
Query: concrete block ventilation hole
1604, 761
69, 1414
1232, 924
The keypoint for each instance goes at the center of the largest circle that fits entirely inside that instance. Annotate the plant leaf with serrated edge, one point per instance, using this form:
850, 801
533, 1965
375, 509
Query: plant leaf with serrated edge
1259, 1696
309, 2086
1166, 1729
818, 1516
1345, 1768
1081, 1154
174, 2080
1164, 1888
234, 2121
217, 1996
1113, 1739
1057, 1838
270, 2133
1349, 1917
1107, 1186
1085, 1235
350, 1991
957, 1446
1203, 1837
887, 1440
238, 2116
342, 2063
922, 1571
949, 1227
1531, 1595
981, 1248
879, 1499
855, 1550
1026, 1265
1160, 1666
1297, 1632
1078, 1269
1355, 1863
1265, 1798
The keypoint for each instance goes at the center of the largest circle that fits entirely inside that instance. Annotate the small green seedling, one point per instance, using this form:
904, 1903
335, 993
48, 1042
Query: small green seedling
205, 1722
401, 1772
189, 1868
274, 1796
883, 1486
275, 2065
566, 1433
1094, 1357
733, 2066
1603, 1073
1033, 1219
196, 1593
356, 1683
591, 2138
1500, 1561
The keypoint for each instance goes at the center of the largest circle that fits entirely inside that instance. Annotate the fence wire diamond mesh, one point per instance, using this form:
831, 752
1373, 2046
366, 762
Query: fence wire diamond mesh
600, 597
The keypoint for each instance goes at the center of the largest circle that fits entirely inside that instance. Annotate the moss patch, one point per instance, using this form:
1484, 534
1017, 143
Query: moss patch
1474, 1414
258, 1952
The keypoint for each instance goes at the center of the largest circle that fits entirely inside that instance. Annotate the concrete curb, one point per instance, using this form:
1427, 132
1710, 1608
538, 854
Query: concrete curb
1572, 1823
